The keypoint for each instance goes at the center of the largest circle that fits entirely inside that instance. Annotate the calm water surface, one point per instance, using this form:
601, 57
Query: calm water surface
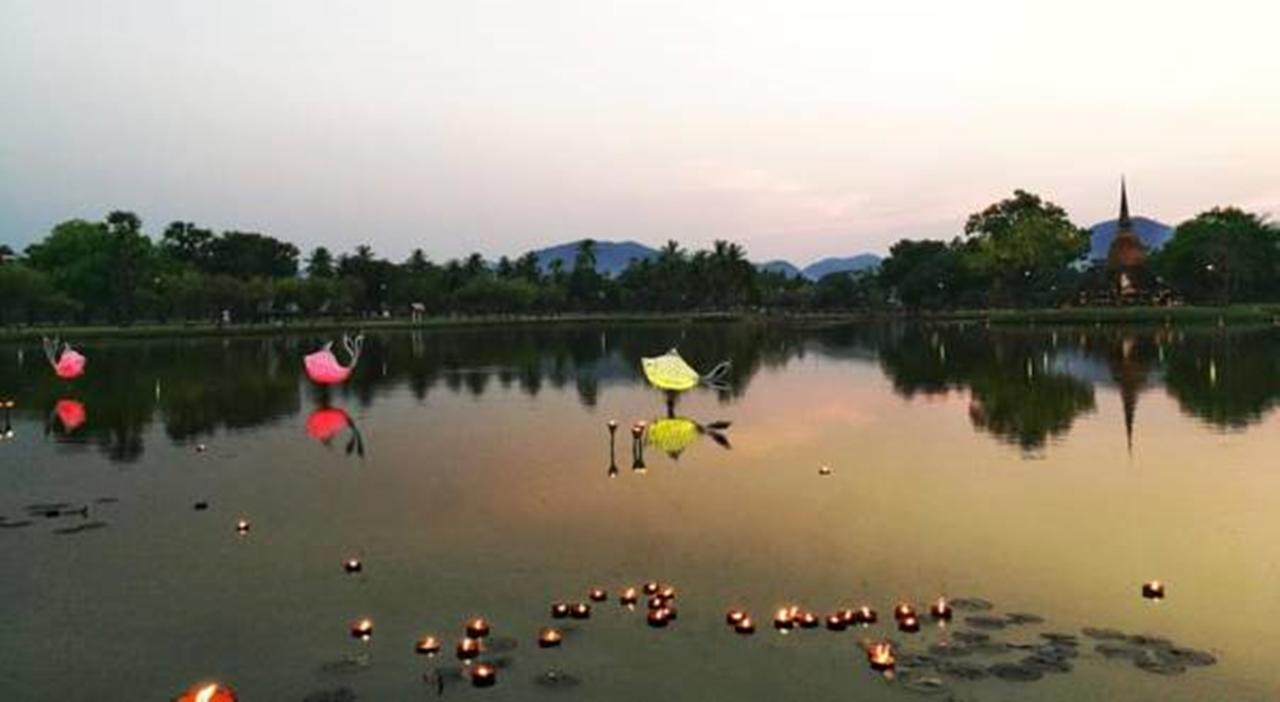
1048, 471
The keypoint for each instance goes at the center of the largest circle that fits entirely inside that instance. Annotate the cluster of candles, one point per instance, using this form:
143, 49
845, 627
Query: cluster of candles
469, 648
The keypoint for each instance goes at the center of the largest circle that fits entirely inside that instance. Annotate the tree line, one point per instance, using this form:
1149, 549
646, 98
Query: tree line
1023, 251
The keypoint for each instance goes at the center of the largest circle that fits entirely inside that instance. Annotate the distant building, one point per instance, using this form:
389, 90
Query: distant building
1127, 256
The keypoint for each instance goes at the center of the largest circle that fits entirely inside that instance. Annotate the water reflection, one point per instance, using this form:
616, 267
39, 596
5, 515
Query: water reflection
1025, 387
325, 424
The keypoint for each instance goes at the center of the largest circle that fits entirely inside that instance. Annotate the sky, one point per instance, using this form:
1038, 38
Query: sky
801, 129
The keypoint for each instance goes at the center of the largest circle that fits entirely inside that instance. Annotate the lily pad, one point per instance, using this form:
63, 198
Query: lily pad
1016, 672
1185, 656
943, 649
963, 670
984, 621
971, 604
1158, 666
1103, 633
971, 637
1019, 618
924, 685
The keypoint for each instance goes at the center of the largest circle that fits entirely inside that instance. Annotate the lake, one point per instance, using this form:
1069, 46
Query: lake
1046, 471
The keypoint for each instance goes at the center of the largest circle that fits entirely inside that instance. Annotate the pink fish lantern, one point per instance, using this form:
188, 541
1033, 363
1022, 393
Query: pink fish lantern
68, 363
323, 366
326, 423
70, 414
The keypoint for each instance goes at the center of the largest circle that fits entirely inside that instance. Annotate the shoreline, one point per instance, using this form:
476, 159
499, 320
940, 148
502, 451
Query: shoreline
1267, 314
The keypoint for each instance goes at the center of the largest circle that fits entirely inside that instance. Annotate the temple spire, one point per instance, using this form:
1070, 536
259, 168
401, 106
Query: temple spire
1125, 222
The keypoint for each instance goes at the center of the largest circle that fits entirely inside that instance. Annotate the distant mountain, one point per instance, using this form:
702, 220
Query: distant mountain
1152, 233
779, 266
826, 266
612, 257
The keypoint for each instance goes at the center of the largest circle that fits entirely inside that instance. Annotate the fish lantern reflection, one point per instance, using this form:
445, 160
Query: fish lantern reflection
70, 413
1153, 590
207, 692
880, 656
324, 368
67, 363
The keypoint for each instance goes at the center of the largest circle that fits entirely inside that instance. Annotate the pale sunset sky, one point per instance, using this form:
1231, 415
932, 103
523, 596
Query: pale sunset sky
801, 129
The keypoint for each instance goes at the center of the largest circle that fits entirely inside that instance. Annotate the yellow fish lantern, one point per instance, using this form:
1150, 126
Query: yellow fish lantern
671, 372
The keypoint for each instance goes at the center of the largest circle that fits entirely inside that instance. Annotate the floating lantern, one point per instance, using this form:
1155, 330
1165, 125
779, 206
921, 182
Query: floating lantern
242, 526
941, 609
909, 624
652, 587
629, 597
903, 610
824, 470
469, 649
208, 692
672, 613
559, 610
784, 619
1153, 590
864, 616
880, 656
477, 628
598, 595
362, 629
550, 637
733, 616
847, 615
427, 646
581, 610
484, 675
352, 565
656, 602
836, 622
745, 626
806, 620
201, 448
667, 593
659, 618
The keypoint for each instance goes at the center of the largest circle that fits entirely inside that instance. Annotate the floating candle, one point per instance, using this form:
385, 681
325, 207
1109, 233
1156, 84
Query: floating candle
847, 615
941, 609
352, 565
824, 470
909, 624
559, 610
469, 649
613, 425
836, 622
667, 593
656, 602
629, 597
880, 656
581, 610
427, 646
659, 618
477, 628
784, 619
733, 616
598, 595
549, 637
865, 616
483, 675
652, 587
745, 626
1153, 590
806, 620
672, 612
362, 629
243, 526
903, 610
207, 692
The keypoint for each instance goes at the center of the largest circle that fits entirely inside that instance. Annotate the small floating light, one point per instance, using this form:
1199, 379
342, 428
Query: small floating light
659, 618
903, 610
352, 565
847, 615
667, 593
836, 622
656, 602
629, 597
672, 613
362, 629
824, 470
559, 610
598, 595
784, 619
201, 448
483, 675
1153, 590
581, 610
865, 616
477, 628
807, 620
427, 646
549, 637
733, 616
469, 649
941, 609
243, 526
745, 626
208, 692
880, 656
909, 624
652, 587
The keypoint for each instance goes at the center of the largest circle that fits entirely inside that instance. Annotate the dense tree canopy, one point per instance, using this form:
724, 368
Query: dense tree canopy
1224, 255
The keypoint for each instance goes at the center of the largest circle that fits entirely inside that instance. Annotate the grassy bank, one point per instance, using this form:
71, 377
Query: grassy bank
1230, 315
